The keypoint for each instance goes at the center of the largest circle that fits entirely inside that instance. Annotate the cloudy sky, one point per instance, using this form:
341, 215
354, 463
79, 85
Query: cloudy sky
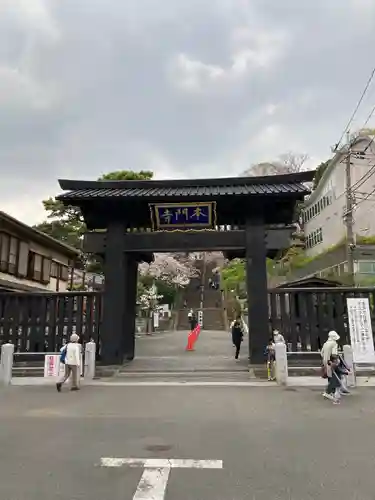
186, 89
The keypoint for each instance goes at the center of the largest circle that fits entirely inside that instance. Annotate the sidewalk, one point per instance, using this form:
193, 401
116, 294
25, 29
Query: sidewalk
314, 382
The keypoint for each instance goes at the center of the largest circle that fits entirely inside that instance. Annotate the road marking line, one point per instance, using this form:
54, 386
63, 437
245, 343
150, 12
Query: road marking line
154, 480
153, 484
157, 463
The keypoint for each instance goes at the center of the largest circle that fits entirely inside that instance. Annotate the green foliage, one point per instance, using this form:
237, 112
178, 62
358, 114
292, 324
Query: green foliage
168, 292
233, 275
66, 224
127, 175
321, 168
366, 240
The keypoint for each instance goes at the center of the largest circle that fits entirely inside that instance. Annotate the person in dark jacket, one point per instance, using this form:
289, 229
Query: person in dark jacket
237, 336
338, 370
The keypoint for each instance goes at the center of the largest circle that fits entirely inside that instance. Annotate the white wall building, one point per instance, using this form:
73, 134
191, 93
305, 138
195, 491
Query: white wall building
324, 213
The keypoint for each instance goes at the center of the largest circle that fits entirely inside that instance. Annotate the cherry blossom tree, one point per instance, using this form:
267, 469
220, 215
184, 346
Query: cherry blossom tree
167, 268
148, 302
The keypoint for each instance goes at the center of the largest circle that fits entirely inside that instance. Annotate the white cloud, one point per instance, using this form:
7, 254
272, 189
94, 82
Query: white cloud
84, 88
32, 15
251, 51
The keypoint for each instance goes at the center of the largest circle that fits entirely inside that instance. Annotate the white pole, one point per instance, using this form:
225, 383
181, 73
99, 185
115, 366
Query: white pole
90, 355
7, 351
281, 367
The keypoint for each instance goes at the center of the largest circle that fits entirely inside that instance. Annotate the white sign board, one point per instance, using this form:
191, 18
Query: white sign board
156, 319
360, 329
53, 368
154, 480
200, 318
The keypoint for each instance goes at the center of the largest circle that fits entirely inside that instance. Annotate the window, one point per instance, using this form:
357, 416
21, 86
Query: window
35, 266
9, 253
4, 242
367, 267
64, 275
314, 238
13, 255
55, 269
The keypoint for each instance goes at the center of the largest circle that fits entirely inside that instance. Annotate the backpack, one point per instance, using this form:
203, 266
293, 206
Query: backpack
63, 354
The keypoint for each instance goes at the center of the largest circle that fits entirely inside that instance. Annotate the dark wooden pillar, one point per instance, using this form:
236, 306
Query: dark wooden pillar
115, 266
256, 278
130, 308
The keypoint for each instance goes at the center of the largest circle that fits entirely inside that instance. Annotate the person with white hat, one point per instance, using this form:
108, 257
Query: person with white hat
330, 348
71, 357
278, 337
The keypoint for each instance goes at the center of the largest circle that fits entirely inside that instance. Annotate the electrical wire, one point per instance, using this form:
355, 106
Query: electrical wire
358, 105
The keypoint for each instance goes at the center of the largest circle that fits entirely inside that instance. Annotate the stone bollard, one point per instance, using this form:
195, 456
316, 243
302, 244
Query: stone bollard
281, 367
348, 358
90, 359
6, 368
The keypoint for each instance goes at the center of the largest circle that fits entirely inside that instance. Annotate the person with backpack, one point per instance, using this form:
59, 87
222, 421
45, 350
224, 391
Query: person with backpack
71, 357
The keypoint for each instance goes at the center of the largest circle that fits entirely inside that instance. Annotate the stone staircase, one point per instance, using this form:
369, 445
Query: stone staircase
193, 296
213, 314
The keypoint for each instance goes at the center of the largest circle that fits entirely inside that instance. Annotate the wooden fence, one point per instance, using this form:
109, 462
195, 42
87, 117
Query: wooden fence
41, 322
305, 316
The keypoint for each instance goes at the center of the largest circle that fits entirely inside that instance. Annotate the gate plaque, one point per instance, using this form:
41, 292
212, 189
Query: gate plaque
183, 216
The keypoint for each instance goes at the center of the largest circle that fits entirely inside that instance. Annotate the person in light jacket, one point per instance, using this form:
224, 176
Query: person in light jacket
330, 348
278, 337
72, 363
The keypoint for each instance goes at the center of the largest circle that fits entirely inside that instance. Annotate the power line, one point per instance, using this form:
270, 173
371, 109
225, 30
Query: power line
369, 117
358, 105
365, 198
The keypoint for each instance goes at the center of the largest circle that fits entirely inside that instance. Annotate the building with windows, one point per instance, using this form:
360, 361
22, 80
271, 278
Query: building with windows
323, 217
31, 260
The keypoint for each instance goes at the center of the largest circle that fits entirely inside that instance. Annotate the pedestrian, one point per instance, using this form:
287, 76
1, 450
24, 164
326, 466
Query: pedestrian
270, 352
333, 391
190, 318
237, 335
185, 304
71, 357
278, 337
330, 348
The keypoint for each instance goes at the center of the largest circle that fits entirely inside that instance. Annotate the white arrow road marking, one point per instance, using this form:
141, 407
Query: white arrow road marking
154, 480
153, 484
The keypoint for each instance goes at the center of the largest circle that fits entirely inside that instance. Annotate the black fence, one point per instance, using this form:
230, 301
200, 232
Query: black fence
305, 316
42, 322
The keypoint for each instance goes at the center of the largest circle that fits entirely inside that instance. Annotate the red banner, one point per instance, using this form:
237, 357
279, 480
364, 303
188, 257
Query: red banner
193, 337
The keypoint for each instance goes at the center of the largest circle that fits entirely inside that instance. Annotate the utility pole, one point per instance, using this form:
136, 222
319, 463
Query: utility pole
349, 222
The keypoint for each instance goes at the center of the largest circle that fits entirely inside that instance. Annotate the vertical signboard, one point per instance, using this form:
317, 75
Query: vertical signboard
360, 329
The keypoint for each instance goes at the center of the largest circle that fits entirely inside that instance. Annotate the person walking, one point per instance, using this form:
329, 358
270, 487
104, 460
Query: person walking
191, 318
71, 357
334, 389
270, 352
237, 336
278, 337
330, 348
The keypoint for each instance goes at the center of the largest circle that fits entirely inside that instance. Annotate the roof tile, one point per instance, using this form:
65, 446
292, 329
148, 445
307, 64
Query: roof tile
165, 192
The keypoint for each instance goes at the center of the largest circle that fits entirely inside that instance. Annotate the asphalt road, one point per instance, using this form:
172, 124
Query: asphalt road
274, 443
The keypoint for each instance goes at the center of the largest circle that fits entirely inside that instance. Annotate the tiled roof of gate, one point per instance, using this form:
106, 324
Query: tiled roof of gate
291, 184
